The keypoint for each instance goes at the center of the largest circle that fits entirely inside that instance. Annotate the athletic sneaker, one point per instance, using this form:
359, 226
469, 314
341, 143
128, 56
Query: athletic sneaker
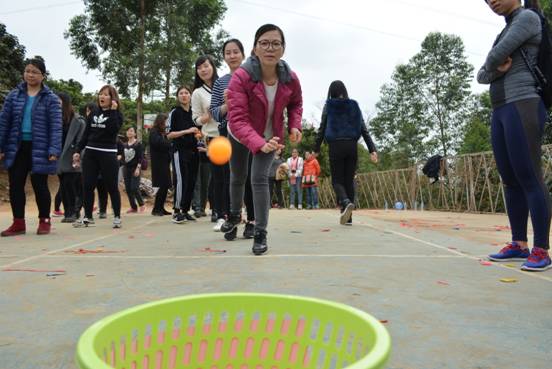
538, 261
346, 213
349, 222
131, 211
232, 222
219, 224
102, 215
117, 222
249, 230
82, 223
300, 207
57, 213
179, 218
511, 252
259, 243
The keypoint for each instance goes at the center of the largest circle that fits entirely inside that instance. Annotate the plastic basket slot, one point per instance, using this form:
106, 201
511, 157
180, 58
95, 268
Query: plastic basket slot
172, 357
113, 355
218, 348
254, 322
243, 366
161, 332
285, 325
327, 333
191, 325
333, 362
339, 339
145, 362
207, 320
187, 353
223, 322
321, 359
293, 353
270, 323
314, 329
280, 346
159, 359
122, 349
264, 348
307, 356
249, 347
202, 350
300, 329
233, 348
229, 366
133, 365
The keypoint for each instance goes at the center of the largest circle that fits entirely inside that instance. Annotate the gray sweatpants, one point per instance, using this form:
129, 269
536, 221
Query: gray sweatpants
260, 168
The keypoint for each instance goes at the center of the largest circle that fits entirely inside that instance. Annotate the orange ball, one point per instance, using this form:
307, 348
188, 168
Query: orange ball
219, 150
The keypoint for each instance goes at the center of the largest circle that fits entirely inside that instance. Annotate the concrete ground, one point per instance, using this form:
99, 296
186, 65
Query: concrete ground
418, 271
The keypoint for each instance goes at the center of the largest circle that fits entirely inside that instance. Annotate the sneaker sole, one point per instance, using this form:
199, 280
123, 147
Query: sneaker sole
13, 234
509, 259
529, 269
117, 226
347, 212
258, 252
178, 221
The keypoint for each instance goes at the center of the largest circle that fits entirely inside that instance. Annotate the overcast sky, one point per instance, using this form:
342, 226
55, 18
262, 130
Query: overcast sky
357, 41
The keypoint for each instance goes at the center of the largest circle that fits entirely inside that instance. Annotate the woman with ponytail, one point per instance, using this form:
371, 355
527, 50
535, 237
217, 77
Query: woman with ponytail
517, 128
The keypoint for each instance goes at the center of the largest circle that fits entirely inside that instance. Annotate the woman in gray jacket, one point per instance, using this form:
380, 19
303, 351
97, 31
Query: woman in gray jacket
73, 128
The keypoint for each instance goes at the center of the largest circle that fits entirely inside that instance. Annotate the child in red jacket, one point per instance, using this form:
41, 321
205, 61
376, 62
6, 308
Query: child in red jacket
311, 172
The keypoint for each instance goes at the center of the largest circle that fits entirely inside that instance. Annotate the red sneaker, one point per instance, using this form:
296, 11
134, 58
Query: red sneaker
44, 226
17, 227
131, 211
57, 213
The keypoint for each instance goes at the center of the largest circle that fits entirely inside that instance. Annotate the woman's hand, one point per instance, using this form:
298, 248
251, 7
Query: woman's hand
76, 156
137, 172
205, 117
114, 105
271, 145
295, 135
504, 67
192, 131
52, 158
374, 157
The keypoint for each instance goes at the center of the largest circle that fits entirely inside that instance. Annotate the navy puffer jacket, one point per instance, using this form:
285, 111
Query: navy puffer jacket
46, 128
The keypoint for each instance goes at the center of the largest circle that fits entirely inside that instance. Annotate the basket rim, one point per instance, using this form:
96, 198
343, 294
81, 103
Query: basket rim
87, 359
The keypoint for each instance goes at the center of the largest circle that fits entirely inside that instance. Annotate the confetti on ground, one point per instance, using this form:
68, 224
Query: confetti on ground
384, 321
485, 263
444, 283
325, 230
208, 249
508, 280
54, 274
97, 251
131, 237
295, 232
91, 275
452, 248
502, 228
511, 265
32, 270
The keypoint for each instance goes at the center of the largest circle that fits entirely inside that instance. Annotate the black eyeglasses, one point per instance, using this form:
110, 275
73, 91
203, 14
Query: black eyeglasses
265, 44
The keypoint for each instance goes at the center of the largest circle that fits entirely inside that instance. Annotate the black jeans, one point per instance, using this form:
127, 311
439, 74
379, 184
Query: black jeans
185, 165
132, 186
276, 185
18, 176
343, 164
160, 198
70, 183
220, 179
94, 163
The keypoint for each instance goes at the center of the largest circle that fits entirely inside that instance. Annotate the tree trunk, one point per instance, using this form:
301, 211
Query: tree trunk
139, 100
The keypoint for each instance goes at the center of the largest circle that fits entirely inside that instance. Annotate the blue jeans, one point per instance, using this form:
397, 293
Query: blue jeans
312, 197
293, 189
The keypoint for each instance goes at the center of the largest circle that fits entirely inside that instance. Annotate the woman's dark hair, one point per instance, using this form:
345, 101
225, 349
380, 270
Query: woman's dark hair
67, 110
112, 93
133, 127
38, 62
532, 4
159, 123
198, 82
183, 87
237, 42
90, 106
337, 90
267, 28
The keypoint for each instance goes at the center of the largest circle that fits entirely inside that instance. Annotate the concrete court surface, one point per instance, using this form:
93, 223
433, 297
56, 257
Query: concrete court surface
419, 271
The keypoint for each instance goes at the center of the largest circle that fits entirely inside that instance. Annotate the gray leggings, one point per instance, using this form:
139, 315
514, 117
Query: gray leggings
260, 168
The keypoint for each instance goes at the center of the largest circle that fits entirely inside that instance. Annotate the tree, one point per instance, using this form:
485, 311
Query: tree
127, 48
425, 107
12, 62
477, 136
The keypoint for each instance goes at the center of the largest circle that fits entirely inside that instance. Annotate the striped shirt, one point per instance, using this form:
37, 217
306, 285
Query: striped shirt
217, 100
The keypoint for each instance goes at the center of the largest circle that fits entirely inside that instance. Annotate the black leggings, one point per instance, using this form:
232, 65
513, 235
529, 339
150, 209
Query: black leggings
516, 135
17, 174
160, 198
132, 186
69, 189
343, 164
185, 166
94, 163
220, 179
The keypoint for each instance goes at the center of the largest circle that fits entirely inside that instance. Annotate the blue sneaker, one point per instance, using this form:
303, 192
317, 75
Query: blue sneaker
538, 261
511, 252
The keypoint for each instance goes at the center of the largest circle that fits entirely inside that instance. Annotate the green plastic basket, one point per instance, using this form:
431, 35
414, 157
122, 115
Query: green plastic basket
236, 331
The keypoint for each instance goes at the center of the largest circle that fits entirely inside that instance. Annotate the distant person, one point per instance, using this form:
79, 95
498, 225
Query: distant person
259, 92
311, 172
341, 127
30, 142
275, 179
133, 153
160, 147
99, 143
295, 174
517, 126
70, 175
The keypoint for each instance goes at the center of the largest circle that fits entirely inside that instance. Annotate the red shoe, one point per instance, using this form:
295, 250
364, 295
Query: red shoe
44, 226
57, 213
142, 208
131, 211
17, 227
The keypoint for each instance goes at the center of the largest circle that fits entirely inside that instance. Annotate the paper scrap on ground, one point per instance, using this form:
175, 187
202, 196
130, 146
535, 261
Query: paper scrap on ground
32, 270
208, 249
97, 251
508, 280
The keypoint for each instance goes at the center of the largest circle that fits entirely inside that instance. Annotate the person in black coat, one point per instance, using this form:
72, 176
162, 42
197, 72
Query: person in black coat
160, 163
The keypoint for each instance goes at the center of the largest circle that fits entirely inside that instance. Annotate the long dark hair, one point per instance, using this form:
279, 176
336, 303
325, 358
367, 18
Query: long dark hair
532, 4
67, 109
235, 41
198, 82
267, 28
337, 90
159, 123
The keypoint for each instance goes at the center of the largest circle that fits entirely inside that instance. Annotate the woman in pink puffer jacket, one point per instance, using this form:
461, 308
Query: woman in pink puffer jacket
258, 93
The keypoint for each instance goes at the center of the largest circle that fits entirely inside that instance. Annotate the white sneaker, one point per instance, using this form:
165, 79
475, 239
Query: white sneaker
291, 207
117, 222
300, 207
220, 222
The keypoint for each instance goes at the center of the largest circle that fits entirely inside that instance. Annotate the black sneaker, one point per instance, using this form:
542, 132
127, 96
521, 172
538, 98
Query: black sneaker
259, 242
179, 218
232, 235
347, 212
165, 212
249, 230
349, 222
189, 217
157, 213
214, 217
231, 223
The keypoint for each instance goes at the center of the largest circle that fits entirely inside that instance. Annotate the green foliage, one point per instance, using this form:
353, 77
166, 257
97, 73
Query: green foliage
477, 136
424, 109
11, 62
71, 87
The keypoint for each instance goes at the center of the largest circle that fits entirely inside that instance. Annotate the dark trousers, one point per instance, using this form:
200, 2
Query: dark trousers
516, 135
102, 195
58, 199
94, 163
220, 179
201, 187
275, 188
248, 194
18, 176
343, 164
185, 165
132, 187
70, 182
160, 198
